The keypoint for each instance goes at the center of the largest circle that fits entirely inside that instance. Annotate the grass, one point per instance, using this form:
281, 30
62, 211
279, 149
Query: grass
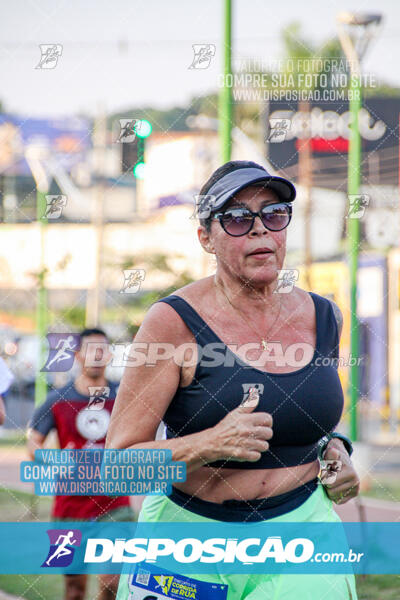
13, 439
22, 506
384, 489
378, 587
41, 587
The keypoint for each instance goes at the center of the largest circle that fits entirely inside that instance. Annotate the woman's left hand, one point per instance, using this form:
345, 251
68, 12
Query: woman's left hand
339, 478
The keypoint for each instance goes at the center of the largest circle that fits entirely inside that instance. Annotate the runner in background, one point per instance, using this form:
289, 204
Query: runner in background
80, 413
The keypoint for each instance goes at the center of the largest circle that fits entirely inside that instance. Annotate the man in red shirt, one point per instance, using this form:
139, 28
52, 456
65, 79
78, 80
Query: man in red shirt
80, 413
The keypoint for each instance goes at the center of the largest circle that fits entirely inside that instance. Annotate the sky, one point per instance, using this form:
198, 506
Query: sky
119, 54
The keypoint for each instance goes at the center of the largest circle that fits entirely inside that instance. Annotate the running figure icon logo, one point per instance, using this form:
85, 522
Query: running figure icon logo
203, 54
62, 547
50, 53
203, 206
128, 130
61, 351
358, 204
286, 280
133, 279
54, 206
278, 130
252, 392
98, 396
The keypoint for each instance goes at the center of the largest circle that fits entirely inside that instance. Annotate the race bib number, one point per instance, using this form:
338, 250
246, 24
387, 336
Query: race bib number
145, 585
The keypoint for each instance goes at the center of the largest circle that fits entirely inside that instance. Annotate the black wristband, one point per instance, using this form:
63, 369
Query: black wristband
323, 442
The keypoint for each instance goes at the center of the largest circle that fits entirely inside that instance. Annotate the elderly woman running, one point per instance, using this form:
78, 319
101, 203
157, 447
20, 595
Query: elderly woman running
262, 395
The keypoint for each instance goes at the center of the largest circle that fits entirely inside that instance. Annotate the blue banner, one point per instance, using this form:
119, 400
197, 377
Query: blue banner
68, 139
83, 547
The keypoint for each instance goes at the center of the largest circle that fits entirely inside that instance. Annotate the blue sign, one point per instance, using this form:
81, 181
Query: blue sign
67, 139
98, 472
209, 548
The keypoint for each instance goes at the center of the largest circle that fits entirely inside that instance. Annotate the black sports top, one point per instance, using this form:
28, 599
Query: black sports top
305, 404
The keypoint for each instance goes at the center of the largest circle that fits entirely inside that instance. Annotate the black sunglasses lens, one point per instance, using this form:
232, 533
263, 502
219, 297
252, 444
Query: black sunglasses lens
276, 217
237, 221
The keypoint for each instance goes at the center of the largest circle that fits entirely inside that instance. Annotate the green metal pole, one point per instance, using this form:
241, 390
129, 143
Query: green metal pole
225, 95
353, 238
41, 303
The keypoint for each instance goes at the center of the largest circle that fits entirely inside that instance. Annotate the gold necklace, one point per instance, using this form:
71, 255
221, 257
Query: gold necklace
264, 341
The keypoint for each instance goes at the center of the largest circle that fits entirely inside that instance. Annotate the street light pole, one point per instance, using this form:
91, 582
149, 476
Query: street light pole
94, 297
35, 157
353, 237
354, 51
225, 95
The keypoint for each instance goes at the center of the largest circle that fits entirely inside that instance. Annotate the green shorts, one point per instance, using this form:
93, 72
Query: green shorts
317, 507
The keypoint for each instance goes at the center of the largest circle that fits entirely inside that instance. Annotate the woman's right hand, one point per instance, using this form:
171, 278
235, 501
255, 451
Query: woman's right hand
242, 435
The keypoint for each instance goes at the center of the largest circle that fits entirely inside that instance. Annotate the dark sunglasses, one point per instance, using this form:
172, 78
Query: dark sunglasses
238, 221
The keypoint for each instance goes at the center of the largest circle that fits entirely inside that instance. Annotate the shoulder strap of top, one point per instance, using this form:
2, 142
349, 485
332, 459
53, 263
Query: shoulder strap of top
327, 343
201, 331
327, 329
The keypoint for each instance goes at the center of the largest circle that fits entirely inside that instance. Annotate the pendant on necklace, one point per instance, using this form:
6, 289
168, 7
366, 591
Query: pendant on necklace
264, 344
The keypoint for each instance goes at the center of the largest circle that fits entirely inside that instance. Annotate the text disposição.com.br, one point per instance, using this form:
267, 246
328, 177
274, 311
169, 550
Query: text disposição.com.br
212, 550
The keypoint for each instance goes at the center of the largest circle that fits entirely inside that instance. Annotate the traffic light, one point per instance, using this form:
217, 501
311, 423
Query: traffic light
129, 156
133, 152
143, 129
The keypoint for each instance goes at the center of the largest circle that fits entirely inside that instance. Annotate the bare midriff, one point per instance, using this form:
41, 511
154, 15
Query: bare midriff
217, 485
